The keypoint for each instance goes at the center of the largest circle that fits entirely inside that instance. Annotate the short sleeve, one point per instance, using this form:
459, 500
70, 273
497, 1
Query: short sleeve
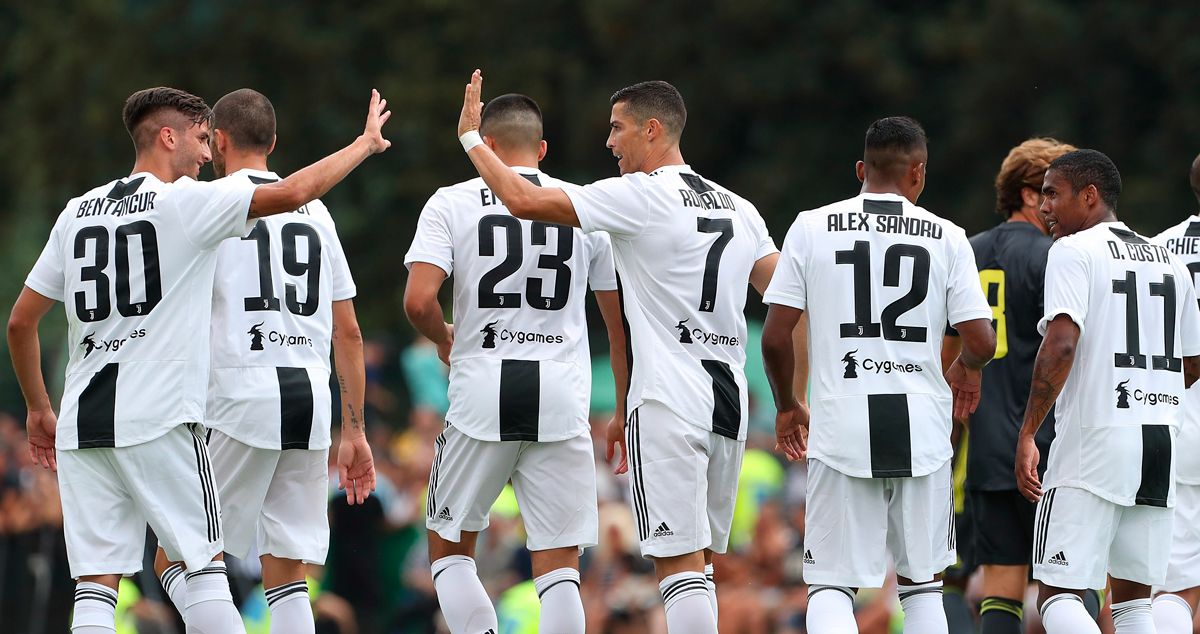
1189, 323
1068, 285
602, 274
788, 285
47, 276
764, 245
343, 281
616, 205
433, 242
213, 211
964, 295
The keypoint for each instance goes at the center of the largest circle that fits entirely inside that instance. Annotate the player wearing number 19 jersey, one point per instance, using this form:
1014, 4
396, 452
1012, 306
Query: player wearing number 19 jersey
685, 250
879, 277
133, 262
1121, 344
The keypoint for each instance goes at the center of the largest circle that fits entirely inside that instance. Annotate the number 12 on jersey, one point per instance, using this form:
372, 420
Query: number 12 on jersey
863, 327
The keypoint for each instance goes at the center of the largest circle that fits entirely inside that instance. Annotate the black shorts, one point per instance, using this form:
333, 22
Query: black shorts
1003, 528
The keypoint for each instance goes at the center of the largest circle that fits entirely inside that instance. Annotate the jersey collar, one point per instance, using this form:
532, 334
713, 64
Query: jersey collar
246, 171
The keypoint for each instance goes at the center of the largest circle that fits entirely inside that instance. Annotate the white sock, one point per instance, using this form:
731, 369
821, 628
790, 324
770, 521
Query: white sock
291, 611
210, 608
1172, 615
173, 584
923, 610
95, 609
1133, 617
1065, 614
709, 578
465, 604
685, 597
831, 610
562, 608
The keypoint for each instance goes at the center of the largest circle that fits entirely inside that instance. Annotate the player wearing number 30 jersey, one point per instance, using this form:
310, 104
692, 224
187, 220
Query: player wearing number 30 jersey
133, 262
879, 278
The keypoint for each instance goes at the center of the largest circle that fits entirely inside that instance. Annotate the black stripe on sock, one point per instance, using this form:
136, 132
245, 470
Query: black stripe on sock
270, 592
95, 422
1055, 599
520, 399
682, 586
547, 588
170, 574
1156, 466
207, 571
846, 591
890, 434
301, 588
727, 403
295, 407
95, 595
912, 593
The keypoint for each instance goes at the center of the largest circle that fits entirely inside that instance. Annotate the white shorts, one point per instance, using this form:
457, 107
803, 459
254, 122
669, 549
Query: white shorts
1183, 569
110, 494
851, 524
277, 499
682, 480
555, 485
1080, 538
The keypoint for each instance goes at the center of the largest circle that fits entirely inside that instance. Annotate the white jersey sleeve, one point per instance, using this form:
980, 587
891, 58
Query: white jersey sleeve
602, 276
616, 205
343, 281
964, 301
433, 242
766, 245
214, 211
47, 277
1068, 285
788, 286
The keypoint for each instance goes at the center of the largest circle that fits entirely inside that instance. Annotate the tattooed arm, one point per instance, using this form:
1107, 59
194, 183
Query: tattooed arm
1050, 371
356, 467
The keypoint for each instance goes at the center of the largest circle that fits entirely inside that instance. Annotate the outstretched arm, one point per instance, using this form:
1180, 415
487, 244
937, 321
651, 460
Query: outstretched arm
317, 179
1050, 372
522, 198
26, 350
356, 465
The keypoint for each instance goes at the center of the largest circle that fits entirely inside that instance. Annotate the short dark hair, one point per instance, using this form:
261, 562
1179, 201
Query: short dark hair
247, 117
1090, 167
654, 100
891, 141
146, 104
514, 120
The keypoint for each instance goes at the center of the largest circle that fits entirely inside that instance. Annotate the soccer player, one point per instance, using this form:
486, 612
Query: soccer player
520, 375
1011, 259
1175, 604
133, 261
1121, 343
685, 249
880, 277
269, 403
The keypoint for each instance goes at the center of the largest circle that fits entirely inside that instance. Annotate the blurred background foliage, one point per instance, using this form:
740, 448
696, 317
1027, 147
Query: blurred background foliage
779, 95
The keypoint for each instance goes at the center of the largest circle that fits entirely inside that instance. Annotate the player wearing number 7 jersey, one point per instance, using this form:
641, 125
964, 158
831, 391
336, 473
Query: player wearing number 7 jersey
879, 278
133, 262
1121, 344
685, 250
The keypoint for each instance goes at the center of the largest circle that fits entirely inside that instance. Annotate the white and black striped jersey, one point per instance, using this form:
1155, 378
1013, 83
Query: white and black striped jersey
132, 261
1119, 410
1184, 241
879, 278
520, 368
272, 325
684, 248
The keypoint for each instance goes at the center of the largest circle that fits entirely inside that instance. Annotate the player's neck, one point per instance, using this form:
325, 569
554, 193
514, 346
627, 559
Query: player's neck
1028, 216
156, 166
669, 156
1100, 217
871, 186
236, 162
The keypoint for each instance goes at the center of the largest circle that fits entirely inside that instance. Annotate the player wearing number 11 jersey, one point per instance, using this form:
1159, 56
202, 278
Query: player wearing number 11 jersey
879, 278
133, 263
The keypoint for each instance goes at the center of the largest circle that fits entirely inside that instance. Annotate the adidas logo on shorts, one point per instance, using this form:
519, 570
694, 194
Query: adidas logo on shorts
444, 514
663, 530
1059, 560
808, 558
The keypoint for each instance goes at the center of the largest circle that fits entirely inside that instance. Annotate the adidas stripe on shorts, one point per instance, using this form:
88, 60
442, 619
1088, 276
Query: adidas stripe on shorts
110, 494
852, 524
555, 484
682, 481
1081, 538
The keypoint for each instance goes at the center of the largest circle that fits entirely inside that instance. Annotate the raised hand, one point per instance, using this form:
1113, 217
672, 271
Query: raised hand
377, 115
472, 110
40, 427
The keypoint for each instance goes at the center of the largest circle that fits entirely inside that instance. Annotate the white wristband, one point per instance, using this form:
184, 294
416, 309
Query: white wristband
470, 139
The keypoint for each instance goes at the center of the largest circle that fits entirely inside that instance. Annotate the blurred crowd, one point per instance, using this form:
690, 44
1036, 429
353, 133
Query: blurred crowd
376, 579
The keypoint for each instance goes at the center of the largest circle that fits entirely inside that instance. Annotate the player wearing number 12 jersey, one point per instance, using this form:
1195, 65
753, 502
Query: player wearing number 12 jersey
1121, 344
685, 250
879, 277
133, 261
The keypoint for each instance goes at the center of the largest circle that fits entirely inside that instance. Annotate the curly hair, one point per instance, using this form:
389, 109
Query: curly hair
1025, 166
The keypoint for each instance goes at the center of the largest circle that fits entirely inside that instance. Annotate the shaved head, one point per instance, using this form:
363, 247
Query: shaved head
247, 117
893, 144
1194, 177
514, 121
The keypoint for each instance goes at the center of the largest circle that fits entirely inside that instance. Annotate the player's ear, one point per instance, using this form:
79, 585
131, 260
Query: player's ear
542, 147
860, 170
1091, 195
166, 136
1030, 197
654, 128
490, 141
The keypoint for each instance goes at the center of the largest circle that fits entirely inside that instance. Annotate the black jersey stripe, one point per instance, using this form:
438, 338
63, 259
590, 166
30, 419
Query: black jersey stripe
1156, 466
890, 434
628, 342
883, 207
1192, 231
533, 178
727, 402
1127, 236
261, 180
295, 407
520, 399
96, 420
